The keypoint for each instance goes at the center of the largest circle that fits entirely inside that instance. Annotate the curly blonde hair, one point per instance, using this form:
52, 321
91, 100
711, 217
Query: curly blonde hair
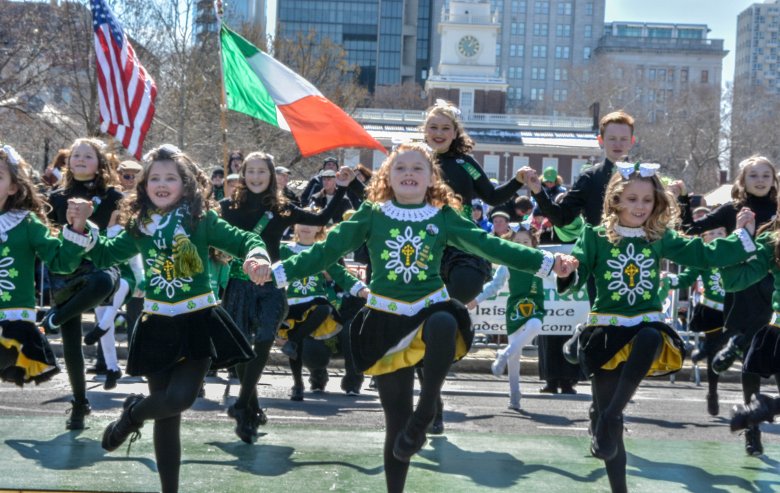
739, 193
664, 215
438, 194
462, 144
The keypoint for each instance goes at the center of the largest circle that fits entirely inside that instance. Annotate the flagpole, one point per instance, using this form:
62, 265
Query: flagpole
223, 97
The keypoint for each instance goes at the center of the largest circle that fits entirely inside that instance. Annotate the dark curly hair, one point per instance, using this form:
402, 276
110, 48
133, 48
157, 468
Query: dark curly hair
137, 206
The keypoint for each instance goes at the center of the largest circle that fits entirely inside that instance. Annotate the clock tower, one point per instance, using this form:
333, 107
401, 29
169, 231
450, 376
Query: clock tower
468, 73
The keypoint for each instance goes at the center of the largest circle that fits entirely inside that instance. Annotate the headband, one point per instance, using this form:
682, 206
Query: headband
13, 157
645, 170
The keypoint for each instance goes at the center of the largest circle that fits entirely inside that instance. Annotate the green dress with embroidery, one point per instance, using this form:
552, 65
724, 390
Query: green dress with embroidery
711, 281
405, 244
525, 301
163, 287
627, 274
317, 286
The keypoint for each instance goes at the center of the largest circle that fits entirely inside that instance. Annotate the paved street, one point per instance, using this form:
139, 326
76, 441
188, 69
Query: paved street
332, 442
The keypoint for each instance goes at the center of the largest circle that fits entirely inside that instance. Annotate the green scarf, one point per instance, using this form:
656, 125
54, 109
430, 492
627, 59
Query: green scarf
169, 231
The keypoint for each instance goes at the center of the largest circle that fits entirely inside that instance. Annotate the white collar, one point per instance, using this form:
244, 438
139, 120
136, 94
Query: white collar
297, 247
9, 221
627, 232
415, 215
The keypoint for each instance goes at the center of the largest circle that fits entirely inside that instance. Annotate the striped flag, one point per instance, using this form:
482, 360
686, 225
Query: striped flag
125, 91
260, 86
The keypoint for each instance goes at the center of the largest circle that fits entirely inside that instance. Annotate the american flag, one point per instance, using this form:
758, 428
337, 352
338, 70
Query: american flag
126, 92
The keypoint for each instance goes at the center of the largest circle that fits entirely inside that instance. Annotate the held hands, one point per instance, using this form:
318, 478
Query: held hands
746, 219
258, 270
530, 178
565, 265
471, 304
345, 176
677, 188
77, 213
363, 293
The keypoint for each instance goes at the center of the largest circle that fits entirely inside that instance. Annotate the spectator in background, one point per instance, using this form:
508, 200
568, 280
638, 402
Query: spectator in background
478, 215
523, 207
500, 220
217, 177
128, 173
315, 184
234, 162
282, 179
53, 174
700, 212
324, 196
231, 181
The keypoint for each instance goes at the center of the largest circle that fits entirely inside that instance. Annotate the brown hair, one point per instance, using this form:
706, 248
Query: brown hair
620, 117
104, 176
272, 198
738, 192
26, 197
663, 216
364, 170
462, 144
532, 233
318, 236
438, 194
136, 207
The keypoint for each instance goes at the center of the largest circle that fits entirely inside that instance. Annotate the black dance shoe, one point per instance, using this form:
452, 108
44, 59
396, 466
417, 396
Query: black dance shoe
297, 393
245, 429
94, 335
77, 413
571, 347
760, 409
409, 441
604, 442
437, 425
111, 378
753, 446
117, 431
713, 406
726, 356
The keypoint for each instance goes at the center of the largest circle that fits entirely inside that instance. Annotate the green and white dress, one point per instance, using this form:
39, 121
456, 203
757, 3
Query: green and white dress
182, 317
405, 244
707, 315
22, 238
627, 289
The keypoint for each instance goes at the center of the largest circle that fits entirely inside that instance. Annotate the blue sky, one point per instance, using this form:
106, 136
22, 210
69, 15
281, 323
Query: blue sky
719, 15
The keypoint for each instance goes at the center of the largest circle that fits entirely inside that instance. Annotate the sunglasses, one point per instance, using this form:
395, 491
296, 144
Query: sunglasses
130, 176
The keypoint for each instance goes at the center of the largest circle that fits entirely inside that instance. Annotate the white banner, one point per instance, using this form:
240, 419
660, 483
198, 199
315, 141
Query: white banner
562, 312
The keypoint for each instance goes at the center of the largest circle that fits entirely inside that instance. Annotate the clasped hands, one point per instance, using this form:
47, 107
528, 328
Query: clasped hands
77, 213
565, 264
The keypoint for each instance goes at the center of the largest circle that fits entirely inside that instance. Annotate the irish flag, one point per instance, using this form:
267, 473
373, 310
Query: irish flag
261, 87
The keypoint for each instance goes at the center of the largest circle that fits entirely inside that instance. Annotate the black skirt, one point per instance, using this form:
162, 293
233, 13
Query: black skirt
705, 319
374, 332
159, 342
598, 344
35, 361
64, 287
457, 258
257, 310
763, 356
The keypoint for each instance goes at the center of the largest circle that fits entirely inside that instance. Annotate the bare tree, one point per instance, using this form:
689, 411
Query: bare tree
407, 96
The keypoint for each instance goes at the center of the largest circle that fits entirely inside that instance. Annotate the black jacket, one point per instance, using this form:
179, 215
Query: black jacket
586, 197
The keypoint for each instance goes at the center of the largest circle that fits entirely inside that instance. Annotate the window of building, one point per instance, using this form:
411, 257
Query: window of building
537, 94
538, 73
518, 28
490, 163
586, 53
630, 31
662, 74
684, 74
690, 33
589, 8
518, 162
705, 76
519, 6
540, 29
671, 74
542, 8
561, 74
564, 8
539, 51
576, 168
562, 52
640, 73
588, 31
513, 50
563, 30
560, 95
651, 74
659, 32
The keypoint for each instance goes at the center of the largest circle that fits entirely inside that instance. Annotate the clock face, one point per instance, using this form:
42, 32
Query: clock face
468, 46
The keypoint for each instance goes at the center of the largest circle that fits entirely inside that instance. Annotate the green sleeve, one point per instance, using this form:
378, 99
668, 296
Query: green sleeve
740, 276
62, 256
112, 251
234, 241
694, 252
346, 237
343, 278
467, 236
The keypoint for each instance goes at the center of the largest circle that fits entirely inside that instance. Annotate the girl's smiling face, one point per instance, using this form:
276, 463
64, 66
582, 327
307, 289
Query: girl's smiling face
164, 185
758, 179
257, 175
83, 162
410, 177
439, 133
636, 203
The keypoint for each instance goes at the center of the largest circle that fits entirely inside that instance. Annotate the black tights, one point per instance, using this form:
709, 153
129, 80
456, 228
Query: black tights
68, 316
713, 342
302, 330
751, 385
171, 392
613, 389
249, 374
396, 390
465, 283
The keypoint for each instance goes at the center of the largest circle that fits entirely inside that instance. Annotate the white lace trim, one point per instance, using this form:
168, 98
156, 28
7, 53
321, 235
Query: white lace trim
86, 240
627, 232
298, 248
279, 275
545, 270
416, 215
9, 221
746, 239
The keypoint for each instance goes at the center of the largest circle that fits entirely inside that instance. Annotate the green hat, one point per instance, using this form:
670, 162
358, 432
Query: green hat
550, 174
